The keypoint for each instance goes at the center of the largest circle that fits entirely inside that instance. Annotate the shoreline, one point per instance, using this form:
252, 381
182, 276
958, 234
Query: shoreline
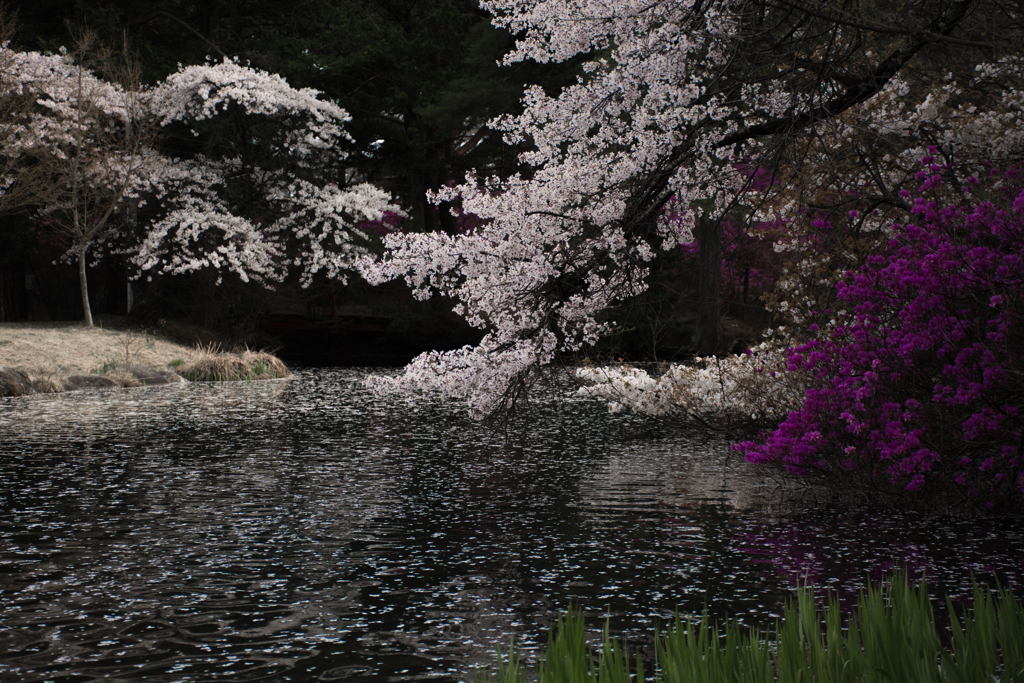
53, 357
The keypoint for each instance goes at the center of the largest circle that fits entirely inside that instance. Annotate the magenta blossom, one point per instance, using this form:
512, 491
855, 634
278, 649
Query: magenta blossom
919, 386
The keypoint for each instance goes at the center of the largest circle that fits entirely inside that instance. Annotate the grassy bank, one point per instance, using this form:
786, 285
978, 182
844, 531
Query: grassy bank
892, 637
53, 357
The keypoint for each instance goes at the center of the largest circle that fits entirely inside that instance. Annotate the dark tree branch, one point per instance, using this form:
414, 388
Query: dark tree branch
652, 195
893, 30
161, 13
861, 91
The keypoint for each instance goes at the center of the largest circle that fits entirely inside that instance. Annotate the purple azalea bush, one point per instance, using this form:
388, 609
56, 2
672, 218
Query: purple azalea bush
389, 222
919, 384
749, 266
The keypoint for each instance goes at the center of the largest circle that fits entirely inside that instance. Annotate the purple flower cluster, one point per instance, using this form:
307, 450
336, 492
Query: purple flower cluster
389, 222
750, 268
919, 385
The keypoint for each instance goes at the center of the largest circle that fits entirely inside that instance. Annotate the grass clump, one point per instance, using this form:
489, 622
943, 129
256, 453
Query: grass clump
120, 373
213, 365
892, 636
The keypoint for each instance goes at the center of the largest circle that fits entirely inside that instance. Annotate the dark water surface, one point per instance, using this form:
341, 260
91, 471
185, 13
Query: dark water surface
307, 530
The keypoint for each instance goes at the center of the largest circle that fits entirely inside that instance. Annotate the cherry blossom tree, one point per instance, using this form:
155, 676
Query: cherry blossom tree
76, 146
21, 184
270, 197
673, 96
269, 193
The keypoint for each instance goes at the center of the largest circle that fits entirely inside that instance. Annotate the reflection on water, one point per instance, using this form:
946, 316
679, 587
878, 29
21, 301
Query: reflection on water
307, 530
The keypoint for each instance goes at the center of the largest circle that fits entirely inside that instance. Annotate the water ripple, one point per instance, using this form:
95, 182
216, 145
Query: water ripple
306, 529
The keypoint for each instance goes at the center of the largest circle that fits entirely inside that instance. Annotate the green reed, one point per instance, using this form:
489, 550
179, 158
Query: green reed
891, 637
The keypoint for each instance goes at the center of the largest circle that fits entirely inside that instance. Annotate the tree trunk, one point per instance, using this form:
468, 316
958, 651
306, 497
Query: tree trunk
84, 286
707, 335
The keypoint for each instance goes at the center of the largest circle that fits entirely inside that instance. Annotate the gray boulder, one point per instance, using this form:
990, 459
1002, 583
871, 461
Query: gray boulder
14, 382
76, 382
152, 377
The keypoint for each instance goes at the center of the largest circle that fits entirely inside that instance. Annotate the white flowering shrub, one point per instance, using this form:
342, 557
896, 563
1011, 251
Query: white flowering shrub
268, 200
746, 389
274, 198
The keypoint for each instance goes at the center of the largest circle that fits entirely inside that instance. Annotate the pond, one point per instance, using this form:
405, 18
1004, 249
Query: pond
306, 529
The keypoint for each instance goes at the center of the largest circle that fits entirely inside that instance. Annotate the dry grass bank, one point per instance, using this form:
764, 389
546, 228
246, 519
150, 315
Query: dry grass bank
49, 352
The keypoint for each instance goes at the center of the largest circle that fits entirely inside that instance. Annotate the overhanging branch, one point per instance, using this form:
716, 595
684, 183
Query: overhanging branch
161, 13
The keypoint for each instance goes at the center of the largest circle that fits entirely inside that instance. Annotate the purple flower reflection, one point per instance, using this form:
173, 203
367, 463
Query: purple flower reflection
845, 552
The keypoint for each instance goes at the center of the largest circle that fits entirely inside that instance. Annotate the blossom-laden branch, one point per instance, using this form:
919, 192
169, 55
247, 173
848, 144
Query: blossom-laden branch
673, 96
77, 144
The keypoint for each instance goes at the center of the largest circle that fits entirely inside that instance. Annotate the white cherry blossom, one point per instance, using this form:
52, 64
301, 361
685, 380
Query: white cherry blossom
674, 93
